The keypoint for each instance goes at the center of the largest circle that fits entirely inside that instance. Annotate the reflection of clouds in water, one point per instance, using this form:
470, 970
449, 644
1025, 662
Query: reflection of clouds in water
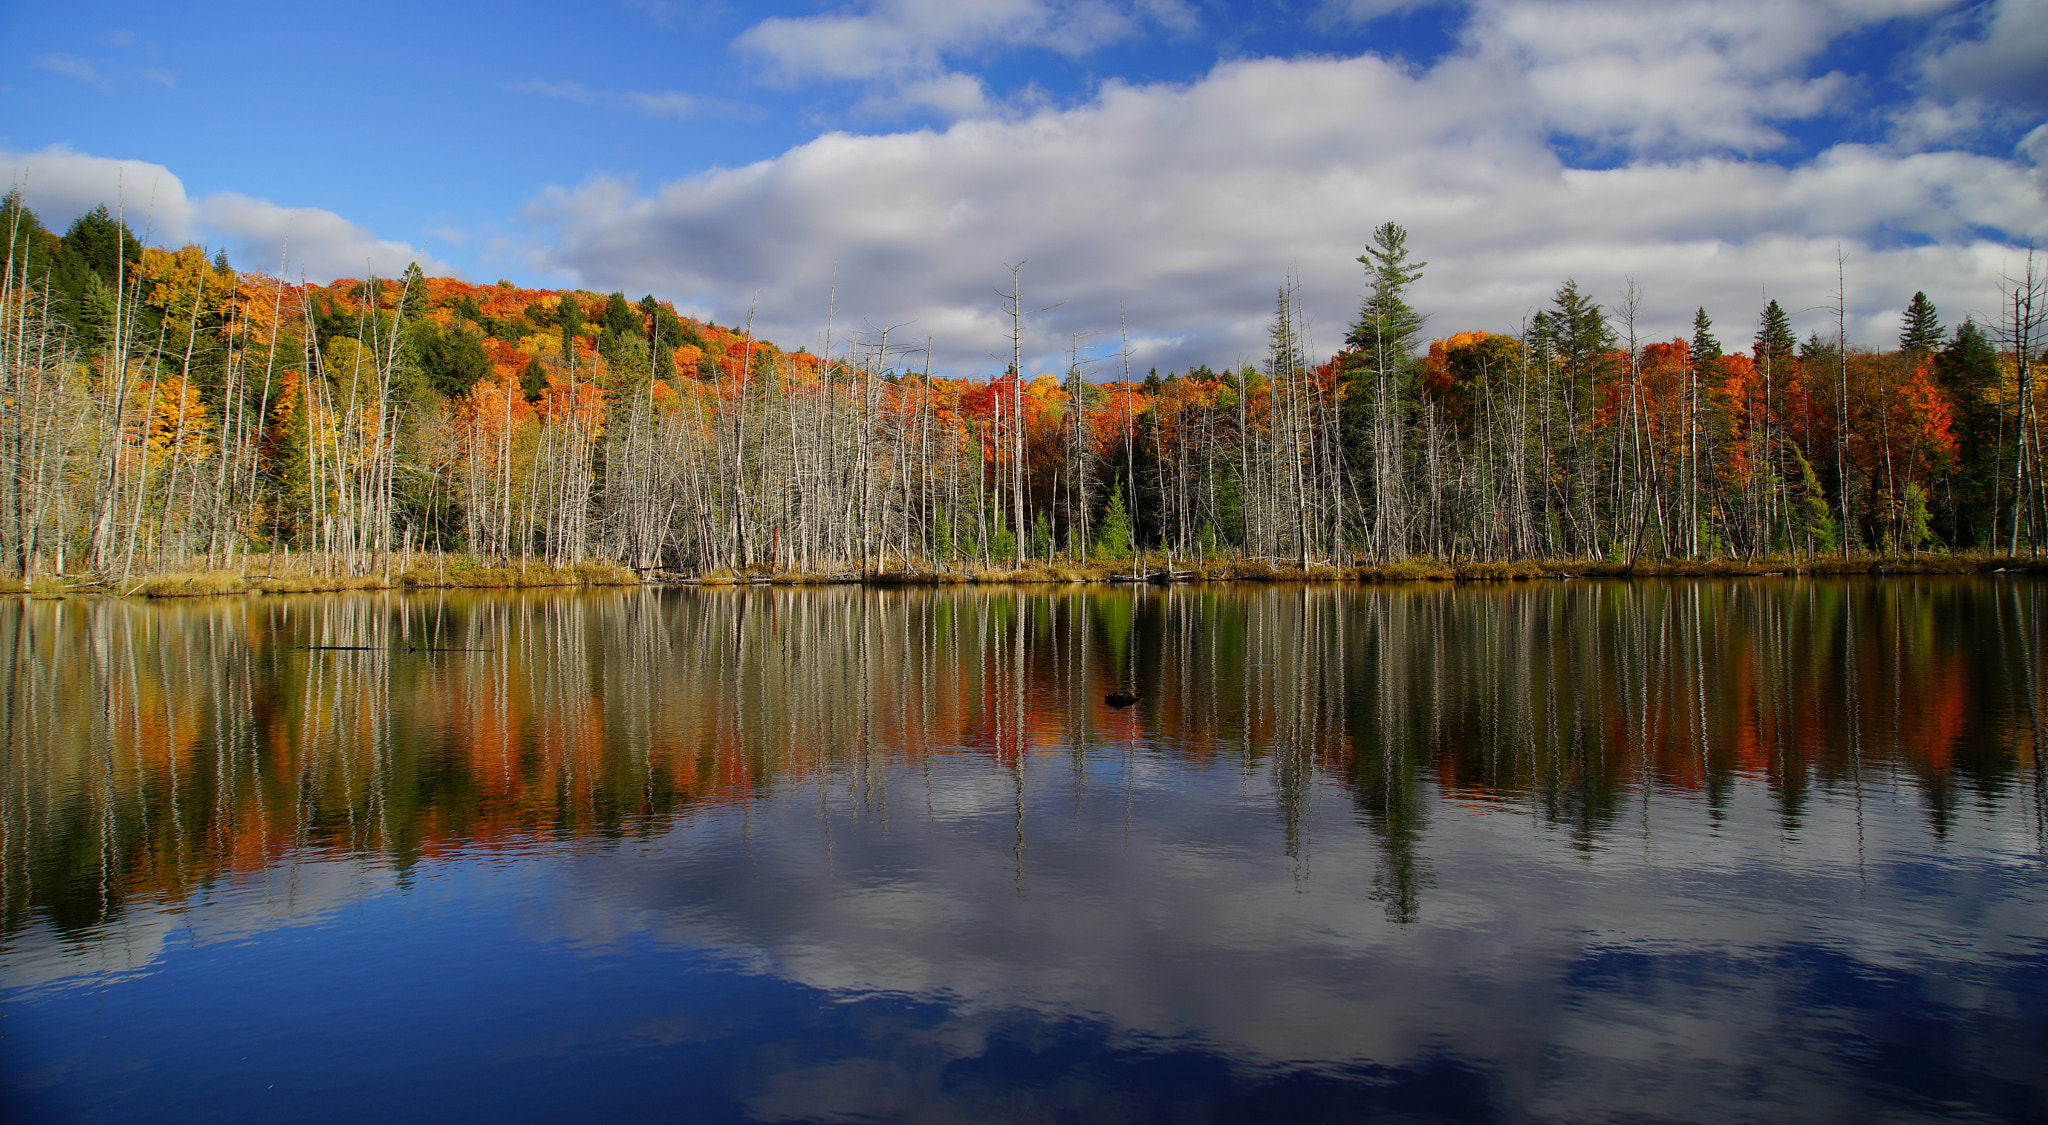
1656, 972
42, 959
1366, 840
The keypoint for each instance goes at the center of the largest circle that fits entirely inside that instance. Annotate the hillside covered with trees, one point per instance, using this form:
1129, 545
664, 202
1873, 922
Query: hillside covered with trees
166, 411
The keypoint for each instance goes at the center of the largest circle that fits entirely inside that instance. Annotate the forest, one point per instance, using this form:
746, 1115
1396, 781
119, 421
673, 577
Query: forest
167, 412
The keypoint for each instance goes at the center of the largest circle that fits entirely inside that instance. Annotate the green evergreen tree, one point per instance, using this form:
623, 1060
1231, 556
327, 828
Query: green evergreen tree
451, 360
101, 242
535, 380
1581, 342
620, 317
414, 301
1579, 331
1705, 349
1386, 324
1774, 340
1922, 332
570, 316
1113, 538
1968, 374
29, 247
1378, 363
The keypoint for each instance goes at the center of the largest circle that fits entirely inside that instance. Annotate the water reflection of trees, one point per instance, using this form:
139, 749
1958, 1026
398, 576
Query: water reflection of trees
150, 749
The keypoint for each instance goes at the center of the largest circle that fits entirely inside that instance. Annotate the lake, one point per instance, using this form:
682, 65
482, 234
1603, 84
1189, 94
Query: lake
1764, 849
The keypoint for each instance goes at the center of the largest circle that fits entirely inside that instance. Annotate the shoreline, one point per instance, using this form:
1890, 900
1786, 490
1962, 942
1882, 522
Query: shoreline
535, 576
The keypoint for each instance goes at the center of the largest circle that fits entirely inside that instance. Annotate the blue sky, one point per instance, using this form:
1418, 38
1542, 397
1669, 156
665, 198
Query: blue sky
1159, 163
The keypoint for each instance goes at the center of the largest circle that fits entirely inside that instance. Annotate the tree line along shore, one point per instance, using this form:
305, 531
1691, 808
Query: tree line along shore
177, 425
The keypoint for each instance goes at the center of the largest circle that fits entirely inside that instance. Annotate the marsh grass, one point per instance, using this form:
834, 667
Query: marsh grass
300, 576
266, 576
194, 584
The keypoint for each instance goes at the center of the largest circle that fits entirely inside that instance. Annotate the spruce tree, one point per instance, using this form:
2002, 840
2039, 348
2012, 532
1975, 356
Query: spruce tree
570, 316
1708, 421
1579, 332
535, 380
1706, 350
1922, 333
1775, 343
414, 302
100, 242
1967, 370
1113, 538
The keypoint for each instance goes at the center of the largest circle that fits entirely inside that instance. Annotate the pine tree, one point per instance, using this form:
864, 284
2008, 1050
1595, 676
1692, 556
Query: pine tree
1379, 368
1386, 323
1922, 333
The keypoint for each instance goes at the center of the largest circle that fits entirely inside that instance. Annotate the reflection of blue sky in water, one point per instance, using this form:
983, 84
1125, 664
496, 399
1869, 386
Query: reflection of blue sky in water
883, 945
1558, 851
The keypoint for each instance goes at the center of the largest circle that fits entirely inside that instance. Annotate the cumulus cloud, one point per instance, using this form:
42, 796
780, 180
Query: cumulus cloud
1691, 76
1188, 204
902, 48
59, 185
2001, 52
320, 243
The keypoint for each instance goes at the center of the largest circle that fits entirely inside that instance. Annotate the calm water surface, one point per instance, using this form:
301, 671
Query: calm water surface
1684, 851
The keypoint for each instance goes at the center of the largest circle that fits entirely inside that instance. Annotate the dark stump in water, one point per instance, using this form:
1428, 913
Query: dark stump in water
1120, 699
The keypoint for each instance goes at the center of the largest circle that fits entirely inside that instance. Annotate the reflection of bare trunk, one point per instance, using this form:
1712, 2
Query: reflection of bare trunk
173, 745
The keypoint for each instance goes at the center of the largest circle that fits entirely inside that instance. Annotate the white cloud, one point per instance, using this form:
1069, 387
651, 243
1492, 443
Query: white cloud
2007, 59
901, 48
663, 103
953, 95
1362, 11
60, 185
1690, 76
895, 37
1188, 204
320, 243
655, 103
2035, 146
71, 66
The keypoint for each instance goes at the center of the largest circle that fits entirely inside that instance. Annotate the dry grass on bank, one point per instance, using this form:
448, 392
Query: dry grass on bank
266, 576
298, 576
1154, 569
194, 584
